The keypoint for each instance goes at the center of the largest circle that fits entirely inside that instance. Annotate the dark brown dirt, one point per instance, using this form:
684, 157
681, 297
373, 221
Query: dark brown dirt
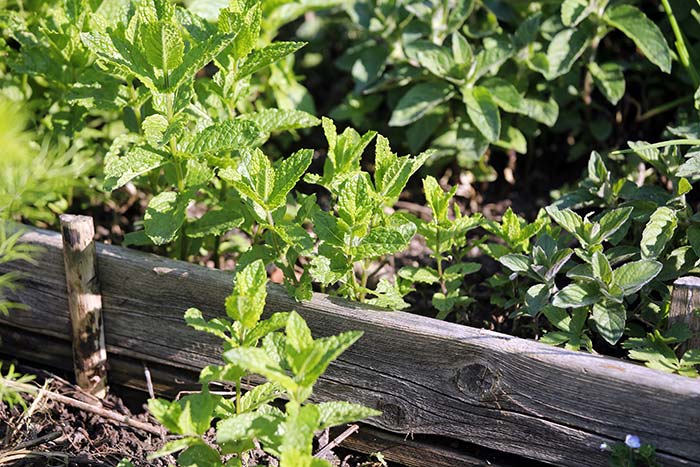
49, 433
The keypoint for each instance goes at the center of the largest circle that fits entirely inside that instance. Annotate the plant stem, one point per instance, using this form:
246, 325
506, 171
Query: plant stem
217, 239
238, 396
664, 108
683, 54
663, 144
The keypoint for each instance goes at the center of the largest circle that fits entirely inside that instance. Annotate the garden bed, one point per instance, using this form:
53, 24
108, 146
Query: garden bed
497, 391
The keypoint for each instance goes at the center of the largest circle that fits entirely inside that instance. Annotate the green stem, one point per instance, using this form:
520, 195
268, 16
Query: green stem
663, 144
664, 108
238, 396
217, 239
683, 54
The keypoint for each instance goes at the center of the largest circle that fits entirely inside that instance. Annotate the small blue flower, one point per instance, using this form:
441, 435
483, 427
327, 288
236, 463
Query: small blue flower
603, 446
632, 441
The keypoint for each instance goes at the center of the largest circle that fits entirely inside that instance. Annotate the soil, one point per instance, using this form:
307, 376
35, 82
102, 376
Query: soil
51, 433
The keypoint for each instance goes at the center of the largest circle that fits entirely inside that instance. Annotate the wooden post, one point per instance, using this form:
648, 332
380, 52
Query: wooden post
685, 308
85, 303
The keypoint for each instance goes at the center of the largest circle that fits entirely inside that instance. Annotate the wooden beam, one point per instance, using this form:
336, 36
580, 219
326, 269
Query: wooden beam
56, 353
428, 377
84, 304
685, 308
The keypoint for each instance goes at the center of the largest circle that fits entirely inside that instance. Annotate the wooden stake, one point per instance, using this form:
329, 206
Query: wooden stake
85, 303
685, 308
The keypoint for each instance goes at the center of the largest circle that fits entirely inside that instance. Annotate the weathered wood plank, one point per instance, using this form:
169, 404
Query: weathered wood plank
84, 303
685, 308
56, 353
427, 377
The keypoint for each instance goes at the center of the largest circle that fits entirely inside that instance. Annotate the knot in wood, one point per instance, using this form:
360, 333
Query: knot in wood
477, 381
393, 414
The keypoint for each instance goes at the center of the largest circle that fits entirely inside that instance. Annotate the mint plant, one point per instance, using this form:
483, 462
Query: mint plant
446, 238
290, 361
462, 76
164, 47
358, 229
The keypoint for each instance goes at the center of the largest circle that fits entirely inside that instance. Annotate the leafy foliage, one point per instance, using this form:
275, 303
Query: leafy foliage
280, 349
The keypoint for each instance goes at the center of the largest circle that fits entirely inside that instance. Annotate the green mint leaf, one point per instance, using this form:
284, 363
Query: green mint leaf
515, 262
392, 172
483, 112
438, 60
276, 120
287, 174
200, 454
645, 34
259, 361
254, 176
266, 56
162, 45
388, 296
247, 302
214, 223
601, 268
565, 48
419, 100
505, 95
609, 319
339, 413
420, 275
385, 240
138, 161
574, 11
576, 296
658, 232
438, 200
631, 277
609, 79
224, 138
165, 214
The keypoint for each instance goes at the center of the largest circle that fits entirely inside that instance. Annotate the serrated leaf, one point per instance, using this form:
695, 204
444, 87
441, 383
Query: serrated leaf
214, 223
418, 101
385, 240
569, 220
266, 56
162, 45
437, 198
257, 360
483, 112
138, 161
165, 214
247, 302
339, 413
658, 232
254, 176
276, 120
645, 34
224, 138
633, 276
609, 320
287, 174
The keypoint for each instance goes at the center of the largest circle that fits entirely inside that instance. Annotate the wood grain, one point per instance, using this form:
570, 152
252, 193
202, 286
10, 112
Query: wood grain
84, 304
427, 377
685, 308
